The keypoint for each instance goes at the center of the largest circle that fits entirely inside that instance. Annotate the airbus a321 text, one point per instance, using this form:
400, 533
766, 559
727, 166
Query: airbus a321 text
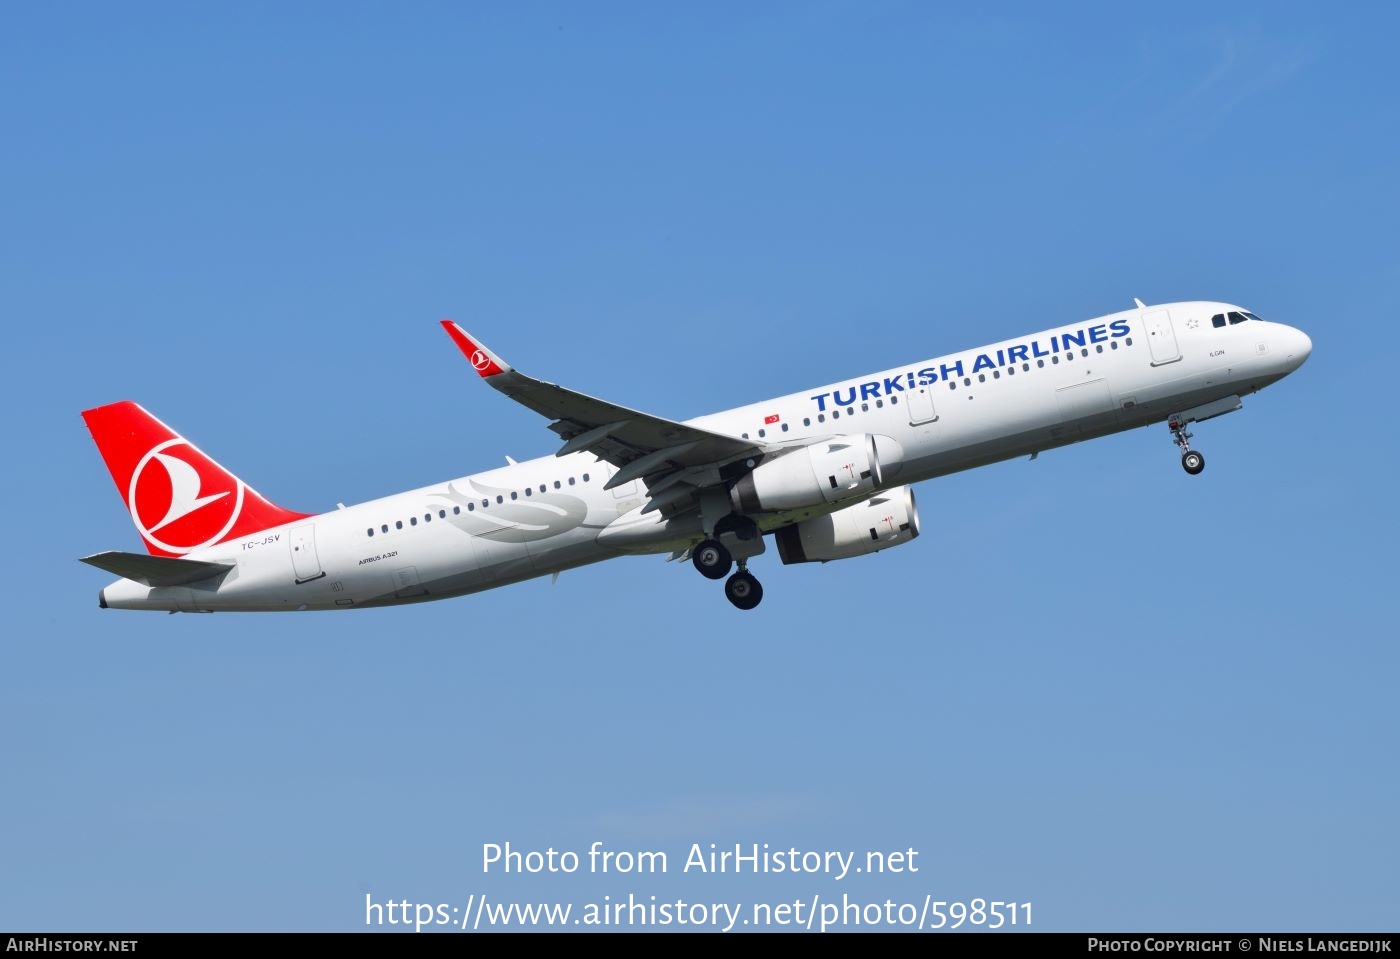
826, 473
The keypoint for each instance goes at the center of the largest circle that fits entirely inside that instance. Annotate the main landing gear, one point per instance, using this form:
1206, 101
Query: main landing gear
714, 561
1191, 461
711, 559
743, 589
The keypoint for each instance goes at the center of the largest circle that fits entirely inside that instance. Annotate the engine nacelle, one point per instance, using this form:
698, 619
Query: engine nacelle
832, 470
887, 519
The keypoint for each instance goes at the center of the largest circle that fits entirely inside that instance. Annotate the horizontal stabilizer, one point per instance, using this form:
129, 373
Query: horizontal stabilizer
156, 570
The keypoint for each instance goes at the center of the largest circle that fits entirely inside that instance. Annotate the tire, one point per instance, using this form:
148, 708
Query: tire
743, 590
711, 559
1192, 462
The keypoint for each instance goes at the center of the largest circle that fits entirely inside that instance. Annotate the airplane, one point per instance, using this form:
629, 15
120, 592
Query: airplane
826, 473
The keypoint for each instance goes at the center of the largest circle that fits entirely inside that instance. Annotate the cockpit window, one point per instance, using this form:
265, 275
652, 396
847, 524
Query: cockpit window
1253, 317
1238, 318
1218, 320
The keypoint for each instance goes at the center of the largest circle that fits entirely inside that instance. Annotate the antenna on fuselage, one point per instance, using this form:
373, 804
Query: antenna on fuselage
1141, 305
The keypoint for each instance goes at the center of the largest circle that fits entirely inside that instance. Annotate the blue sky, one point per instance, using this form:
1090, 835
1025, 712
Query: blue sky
1138, 700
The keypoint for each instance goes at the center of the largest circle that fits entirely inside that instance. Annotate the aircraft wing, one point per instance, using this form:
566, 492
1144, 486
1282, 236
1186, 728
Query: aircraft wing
156, 570
663, 452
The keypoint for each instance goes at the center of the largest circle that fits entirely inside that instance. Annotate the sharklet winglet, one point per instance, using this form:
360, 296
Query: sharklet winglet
485, 362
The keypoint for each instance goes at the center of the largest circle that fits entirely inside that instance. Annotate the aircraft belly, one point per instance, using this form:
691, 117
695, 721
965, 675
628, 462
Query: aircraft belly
1084, 408
501, 558
566, 556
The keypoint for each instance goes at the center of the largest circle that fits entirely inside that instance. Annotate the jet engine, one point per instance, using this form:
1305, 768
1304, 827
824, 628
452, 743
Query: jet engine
886, 519
828, 471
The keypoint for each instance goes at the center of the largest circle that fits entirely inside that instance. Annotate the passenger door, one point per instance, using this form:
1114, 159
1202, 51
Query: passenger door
1161, 337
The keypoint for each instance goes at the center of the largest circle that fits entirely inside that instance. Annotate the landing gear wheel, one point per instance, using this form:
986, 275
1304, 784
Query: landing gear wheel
1191, 461
743, 590
712, 559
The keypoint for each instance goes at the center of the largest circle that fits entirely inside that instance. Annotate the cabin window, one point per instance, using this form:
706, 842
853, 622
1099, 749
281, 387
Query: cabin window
785, 427
556, 484
585, 477
413, 521
821, 417
894, 400
1113, 345
967, 381
471, 507
1025, 367
865, 407
457, 510
427, 517
1099, 348
529, 491
836, 414
1085, 351
384, 528
571, 481
762, 433
1128, 341
398, 524
981, 377
952, 384
1011, 371
806, 421
370, 531
1055, 360
514, 495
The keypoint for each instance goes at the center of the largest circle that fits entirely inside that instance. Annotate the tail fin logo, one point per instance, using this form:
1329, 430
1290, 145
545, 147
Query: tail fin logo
480, 360
188, 507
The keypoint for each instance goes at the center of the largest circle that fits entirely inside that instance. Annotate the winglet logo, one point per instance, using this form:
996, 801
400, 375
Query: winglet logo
172, 496
481, 360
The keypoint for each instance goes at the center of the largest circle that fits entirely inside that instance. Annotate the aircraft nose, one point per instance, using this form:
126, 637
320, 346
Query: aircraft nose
1299, 347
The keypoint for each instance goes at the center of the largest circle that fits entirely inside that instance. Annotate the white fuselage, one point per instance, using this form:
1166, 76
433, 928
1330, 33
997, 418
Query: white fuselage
947, 414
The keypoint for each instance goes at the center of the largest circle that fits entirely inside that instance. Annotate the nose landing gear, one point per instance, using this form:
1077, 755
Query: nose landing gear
1191, 460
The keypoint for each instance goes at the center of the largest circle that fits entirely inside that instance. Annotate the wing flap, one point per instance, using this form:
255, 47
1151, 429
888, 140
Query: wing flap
156, 570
